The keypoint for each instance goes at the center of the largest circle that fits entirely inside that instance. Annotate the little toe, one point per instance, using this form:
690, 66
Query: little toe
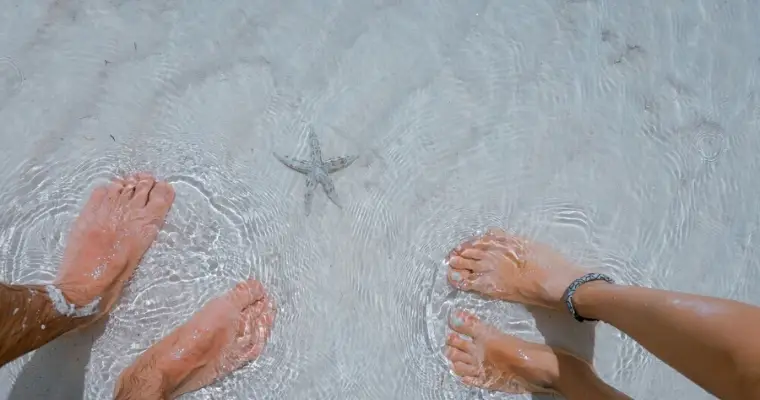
456, 355
142, 190
464, 369
160, 199
473, 381
98, 195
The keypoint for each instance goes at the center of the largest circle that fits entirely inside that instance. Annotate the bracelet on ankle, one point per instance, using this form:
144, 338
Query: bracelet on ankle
568, 296
70, 310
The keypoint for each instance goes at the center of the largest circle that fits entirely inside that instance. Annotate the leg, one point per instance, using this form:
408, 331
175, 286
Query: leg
693, 334
225, 334
116, 227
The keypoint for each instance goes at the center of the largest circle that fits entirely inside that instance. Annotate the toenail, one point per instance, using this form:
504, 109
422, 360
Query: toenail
457, 321
456, 276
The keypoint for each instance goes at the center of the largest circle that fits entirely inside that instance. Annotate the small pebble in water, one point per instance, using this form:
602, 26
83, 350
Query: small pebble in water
43, 327
15, 311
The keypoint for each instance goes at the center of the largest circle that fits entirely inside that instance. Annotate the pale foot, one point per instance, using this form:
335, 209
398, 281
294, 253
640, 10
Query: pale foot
493, 360
116, 227
226, 333
510, 268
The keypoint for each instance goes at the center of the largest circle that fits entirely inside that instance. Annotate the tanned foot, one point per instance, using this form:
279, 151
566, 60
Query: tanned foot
505, 267
226, 333
493, 360
116, 227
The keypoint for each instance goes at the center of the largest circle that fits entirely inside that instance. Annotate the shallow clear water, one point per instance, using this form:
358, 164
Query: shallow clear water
625, 134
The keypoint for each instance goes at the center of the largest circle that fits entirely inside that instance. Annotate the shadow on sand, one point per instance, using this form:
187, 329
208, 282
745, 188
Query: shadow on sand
56, 370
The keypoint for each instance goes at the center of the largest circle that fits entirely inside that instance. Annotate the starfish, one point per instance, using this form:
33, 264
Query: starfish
317, 171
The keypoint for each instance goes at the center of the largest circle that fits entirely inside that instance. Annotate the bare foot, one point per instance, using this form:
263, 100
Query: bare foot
496, 361
116, 227
226, 333
510, 268
493, 360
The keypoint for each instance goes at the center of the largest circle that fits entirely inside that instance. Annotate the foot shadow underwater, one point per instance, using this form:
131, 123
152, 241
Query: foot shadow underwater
56, 370
561, 330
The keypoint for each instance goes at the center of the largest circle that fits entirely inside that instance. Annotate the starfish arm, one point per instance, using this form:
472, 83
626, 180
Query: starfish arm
295, 164
329, 187
338, 163
311, 184
315, 148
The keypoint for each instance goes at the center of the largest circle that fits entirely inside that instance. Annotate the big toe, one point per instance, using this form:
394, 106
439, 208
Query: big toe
467, 324
160, 199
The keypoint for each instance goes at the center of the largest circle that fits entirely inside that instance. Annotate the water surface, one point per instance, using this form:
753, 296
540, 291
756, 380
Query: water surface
623, 133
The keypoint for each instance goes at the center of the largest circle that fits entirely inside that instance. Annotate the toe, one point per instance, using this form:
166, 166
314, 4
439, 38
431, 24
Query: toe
114, 189
474, 253
459, 278
496, 232
467, 244
245, 294
160, 199
261, 327
455, 341
142, 190
98, 195
464, 370
473, 381
141, 176
466, 324
456, 355
462, 263
129, 189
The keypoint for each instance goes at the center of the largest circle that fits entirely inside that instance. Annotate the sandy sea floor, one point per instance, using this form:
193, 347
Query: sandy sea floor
624, 133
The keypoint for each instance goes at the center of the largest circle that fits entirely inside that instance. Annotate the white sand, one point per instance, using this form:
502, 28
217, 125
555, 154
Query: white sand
623, 132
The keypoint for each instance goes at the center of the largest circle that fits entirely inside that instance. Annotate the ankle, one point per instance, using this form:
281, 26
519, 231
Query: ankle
587, 296
143, 379
578, 380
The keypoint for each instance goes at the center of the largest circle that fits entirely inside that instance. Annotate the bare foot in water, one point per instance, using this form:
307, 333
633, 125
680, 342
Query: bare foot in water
226, 333
510, 268
116, 227
496, 361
